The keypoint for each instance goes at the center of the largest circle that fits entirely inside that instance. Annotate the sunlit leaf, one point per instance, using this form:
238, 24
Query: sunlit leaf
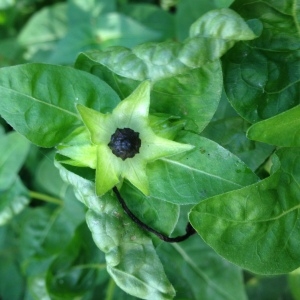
281, 130
39, 100
257, 227
203, 172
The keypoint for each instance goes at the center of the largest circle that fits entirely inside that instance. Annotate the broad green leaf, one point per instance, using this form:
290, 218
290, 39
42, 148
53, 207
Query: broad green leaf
261, 77
230, 133
36, 288
43, 30
186, 76
88, 10
39, 101
47, 177
256, 227
12, 283
10, 52
224, 24
203, 172
187, 13
281, 130
74, 271
198, 273
157, 61
158, 214
45, 229
108, 30
13, 151
12, 201
294, 283
5, 4
151, 16
130, 255
196, 92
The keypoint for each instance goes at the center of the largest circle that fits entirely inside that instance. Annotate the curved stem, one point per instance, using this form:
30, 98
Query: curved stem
189, 229
43, 197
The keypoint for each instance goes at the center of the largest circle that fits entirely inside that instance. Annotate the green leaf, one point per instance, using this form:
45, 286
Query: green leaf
186, 76
39, 101
281, 130
122, 241
198, 273
152, 17
231, 134
73, 273
187, 13
13, 151
261, 77
47, 177
108, 30
294, 283
203, 172
256, 227
268, 287
224, 24
160, 215
88, 10
13, 201
12, 283
45, 229
43, 30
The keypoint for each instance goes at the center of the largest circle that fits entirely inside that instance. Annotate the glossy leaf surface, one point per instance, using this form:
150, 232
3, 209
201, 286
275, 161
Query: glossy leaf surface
281, 130
256, 227
261, 77
39, 101
198, 174
187, 76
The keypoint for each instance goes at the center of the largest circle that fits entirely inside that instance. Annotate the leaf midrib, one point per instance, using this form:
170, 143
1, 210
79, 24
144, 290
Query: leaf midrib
42, 102
199, 171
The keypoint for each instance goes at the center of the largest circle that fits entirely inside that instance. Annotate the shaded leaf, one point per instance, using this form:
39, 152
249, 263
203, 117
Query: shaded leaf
158, 214
13, 151
199, 273
43, 30
12, 201
231, 134
281, 130
261, 77
108, 30
73, 272
152, 17
39, 100
12, 283
257, 227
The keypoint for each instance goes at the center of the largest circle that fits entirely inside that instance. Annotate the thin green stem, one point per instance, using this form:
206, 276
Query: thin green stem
110, 290
43, 197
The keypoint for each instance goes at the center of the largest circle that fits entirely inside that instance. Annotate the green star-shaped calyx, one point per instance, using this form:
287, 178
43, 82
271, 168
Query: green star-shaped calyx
122, 142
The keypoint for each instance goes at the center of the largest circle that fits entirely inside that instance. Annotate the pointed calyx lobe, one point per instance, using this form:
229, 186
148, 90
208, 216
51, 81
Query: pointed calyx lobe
125, 142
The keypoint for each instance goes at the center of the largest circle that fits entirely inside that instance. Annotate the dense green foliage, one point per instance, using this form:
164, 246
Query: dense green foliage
224, 78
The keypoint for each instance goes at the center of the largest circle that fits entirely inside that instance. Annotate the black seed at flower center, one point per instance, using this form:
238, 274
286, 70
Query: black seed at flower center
125, 143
